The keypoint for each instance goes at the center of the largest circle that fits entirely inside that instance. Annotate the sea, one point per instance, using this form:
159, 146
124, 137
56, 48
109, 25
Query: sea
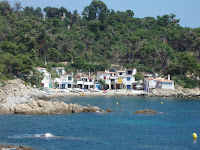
171, 129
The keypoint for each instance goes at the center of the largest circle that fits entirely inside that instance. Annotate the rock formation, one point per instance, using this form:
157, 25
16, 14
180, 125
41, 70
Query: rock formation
145, 111
14, 147
40, 107
16, 92
179, 93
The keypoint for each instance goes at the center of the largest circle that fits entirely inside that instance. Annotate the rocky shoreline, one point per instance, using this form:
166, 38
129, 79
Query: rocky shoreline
177, 93
19, 98
6, 147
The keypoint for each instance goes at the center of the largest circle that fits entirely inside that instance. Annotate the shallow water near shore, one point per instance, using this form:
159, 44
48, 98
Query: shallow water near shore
170, 130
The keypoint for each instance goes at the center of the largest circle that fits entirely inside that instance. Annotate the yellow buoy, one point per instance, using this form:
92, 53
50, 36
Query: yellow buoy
194, 136
161, 102
117, 103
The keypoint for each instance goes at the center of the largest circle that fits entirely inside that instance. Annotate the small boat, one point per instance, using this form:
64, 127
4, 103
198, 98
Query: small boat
82, 94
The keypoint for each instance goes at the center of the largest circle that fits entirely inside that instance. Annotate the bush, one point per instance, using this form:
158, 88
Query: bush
185, 81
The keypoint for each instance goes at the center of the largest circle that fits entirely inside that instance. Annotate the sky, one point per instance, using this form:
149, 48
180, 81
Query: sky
187, 11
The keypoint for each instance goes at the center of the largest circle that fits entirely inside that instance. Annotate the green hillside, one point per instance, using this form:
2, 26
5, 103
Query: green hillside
95, 39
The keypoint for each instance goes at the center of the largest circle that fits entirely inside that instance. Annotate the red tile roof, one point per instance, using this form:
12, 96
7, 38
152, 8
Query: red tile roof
102, 72
90, 77
165, 80
159, 79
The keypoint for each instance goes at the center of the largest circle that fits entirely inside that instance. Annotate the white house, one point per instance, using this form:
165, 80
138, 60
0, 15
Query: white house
128, 81
118, 79
70, 80
159, 83
105, 76
46, 81
59, 70
116, 82
65, 80
85, 82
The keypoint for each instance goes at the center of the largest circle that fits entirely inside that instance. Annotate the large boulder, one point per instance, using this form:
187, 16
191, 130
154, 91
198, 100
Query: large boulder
40, 107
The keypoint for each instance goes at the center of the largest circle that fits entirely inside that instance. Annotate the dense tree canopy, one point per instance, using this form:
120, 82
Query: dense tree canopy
94, 40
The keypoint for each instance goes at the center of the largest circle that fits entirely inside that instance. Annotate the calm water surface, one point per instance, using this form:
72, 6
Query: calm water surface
121, 130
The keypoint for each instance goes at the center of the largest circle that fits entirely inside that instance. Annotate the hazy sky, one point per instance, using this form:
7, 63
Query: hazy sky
188, 11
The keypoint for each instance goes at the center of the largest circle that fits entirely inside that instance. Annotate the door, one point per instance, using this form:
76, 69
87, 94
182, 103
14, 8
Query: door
119, 81
128, 87
63, 86
97, 86
50, 85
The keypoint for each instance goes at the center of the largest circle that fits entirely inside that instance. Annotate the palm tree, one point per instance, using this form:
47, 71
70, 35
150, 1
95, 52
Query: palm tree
102, 83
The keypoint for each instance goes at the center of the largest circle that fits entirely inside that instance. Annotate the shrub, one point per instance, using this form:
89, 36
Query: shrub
186, 82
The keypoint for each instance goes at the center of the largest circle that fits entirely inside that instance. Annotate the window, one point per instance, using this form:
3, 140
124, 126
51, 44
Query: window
112, 80
120, 73
128, 78
129, 72
90, 80
84, 79
69, 78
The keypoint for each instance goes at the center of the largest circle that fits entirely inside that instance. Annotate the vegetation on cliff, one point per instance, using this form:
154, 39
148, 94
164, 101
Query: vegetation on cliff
94, 40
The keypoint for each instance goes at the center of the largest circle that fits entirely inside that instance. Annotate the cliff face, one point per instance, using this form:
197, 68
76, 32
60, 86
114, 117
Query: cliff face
16, 92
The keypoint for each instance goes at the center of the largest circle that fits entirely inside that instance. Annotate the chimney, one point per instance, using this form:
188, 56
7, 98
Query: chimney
168, 76
63, 17
44, 17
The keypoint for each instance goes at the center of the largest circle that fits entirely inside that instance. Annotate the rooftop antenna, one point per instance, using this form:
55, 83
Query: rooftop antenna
63, 17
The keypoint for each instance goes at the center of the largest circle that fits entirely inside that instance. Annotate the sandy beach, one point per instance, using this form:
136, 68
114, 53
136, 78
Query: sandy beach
99, 93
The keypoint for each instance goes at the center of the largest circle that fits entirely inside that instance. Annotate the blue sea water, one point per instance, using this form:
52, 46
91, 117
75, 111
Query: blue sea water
120, 130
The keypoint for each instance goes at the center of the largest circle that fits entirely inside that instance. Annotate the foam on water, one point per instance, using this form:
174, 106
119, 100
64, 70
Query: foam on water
47, 136
20, 136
